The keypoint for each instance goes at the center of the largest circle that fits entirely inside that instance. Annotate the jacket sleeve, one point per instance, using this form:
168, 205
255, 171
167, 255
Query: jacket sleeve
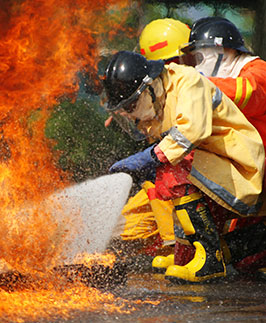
248, 90
189, 103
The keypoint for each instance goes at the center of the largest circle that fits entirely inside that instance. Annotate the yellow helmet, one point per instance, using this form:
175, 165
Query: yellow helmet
162, 38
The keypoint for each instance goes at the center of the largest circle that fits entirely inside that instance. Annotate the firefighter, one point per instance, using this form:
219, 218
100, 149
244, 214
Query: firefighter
147, 219
179, 110
221, 55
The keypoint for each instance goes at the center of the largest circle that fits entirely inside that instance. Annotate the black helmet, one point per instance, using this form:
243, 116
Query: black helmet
215, 31
127, 75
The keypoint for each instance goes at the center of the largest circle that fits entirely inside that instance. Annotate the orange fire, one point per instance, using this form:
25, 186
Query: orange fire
43, 45
50, 302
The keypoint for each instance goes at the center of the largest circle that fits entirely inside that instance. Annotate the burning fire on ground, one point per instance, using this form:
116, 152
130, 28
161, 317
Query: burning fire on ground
43, 45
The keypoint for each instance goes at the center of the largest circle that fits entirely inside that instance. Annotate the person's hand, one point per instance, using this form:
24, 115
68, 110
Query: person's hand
141, 165
108, 122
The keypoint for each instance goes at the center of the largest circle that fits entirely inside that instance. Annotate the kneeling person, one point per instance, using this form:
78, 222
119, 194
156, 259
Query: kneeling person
179, 110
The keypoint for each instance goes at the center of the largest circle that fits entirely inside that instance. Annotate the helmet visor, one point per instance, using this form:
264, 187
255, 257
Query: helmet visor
129, 126
129, 104
137, 122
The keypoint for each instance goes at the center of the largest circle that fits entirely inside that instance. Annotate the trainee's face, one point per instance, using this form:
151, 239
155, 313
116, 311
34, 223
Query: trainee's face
145, 107
144, 110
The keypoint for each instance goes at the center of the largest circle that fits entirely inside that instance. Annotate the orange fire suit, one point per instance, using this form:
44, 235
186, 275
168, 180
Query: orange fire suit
248, 91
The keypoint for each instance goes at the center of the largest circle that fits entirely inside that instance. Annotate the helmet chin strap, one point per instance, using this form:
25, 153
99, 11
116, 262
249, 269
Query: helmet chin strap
153, 96
217, 65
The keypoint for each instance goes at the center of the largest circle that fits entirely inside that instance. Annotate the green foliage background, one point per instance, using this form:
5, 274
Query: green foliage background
87, 148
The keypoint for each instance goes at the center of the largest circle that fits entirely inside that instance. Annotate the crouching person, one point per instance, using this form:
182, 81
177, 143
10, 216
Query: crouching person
179, 110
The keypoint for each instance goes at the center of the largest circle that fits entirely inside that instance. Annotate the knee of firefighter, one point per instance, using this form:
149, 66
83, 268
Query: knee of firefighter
170, 182
166, 190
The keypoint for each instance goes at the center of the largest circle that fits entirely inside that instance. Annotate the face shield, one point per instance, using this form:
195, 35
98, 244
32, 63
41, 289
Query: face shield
207, 56
141, 107
208, 60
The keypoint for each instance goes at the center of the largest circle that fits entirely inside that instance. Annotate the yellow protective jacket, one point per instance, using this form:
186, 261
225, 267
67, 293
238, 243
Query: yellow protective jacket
229, 155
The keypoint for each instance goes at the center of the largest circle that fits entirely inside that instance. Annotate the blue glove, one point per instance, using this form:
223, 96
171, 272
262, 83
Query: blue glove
141, 165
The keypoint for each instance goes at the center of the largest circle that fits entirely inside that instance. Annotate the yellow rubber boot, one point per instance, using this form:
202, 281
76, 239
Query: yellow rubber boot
199, 269
195, 218
161, 263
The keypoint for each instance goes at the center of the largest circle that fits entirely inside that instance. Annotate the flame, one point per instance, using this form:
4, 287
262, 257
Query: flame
49, 303
53, 300
106, 259
44, 44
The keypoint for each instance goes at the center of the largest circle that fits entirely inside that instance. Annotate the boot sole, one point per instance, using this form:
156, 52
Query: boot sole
201, 280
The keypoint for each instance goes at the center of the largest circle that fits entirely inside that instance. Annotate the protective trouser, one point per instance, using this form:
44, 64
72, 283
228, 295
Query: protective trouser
183, 252
194, 215
172, 182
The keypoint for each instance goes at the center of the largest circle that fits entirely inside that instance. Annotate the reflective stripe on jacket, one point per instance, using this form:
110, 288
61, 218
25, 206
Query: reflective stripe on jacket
248, 91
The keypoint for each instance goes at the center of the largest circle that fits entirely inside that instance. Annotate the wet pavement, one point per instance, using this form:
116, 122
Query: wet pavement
143, 297
240, 300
